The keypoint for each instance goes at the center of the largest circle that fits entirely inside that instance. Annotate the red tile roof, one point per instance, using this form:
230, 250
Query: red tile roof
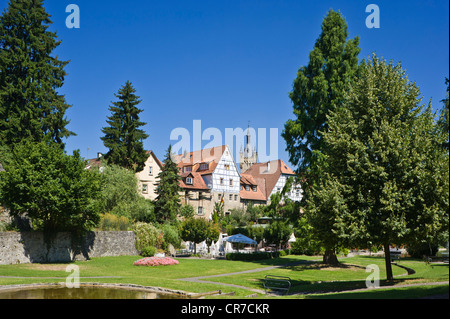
209, 156
248, 180
267, 174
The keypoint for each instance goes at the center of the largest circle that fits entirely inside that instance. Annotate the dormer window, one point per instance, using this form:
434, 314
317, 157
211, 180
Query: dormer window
204, 166
254, 188
189, 181
247, 187
188, 169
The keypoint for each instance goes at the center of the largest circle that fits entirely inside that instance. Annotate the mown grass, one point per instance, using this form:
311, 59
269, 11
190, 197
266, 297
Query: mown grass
310, 276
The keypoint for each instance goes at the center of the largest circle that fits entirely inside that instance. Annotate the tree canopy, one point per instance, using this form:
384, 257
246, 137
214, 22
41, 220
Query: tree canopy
167, 203
386, 173
30, 106
52, 188
123, 137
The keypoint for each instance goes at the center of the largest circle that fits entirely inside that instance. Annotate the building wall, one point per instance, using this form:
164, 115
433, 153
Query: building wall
293, 194
148, 177
225, 178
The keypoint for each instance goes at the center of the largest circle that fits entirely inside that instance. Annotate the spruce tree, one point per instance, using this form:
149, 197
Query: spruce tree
318, 90
30, 107
123, 137
167, 204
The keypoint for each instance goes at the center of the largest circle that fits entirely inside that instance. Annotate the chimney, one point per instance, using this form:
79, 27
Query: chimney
268, 166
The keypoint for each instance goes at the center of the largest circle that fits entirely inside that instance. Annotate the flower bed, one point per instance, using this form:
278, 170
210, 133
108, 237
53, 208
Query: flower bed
156, 261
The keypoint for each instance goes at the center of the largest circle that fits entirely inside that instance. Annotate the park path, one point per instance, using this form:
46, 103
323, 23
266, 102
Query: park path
200, 279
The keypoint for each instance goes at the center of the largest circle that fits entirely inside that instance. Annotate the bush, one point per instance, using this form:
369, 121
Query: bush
148, 251
171, 236
110, 222
257, 256
419, 250
147, 235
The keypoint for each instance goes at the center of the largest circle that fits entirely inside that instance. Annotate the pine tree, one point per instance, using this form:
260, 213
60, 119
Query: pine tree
318, 90
123, 136
30, 107
167, 204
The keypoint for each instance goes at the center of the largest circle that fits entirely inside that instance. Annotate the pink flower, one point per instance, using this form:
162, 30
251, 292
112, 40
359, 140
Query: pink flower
156, 261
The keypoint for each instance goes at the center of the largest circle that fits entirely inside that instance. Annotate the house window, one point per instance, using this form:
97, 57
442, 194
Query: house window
236, 197
221, 181
189, 180
188, 169
231, 182
204, 166
227, 167
144, 188
150, 171
219, 196
254, 188
247, 187
200, 210
231, 196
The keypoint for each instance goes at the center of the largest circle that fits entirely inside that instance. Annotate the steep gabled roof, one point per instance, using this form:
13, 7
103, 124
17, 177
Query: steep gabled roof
160, 164
267, 174
209, 156
248, 180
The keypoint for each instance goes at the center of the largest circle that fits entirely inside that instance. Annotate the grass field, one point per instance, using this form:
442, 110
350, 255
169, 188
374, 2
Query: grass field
309, 278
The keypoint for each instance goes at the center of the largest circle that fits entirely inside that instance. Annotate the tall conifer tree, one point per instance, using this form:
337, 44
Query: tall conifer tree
318, 89
167, 204
30, 107
123, 136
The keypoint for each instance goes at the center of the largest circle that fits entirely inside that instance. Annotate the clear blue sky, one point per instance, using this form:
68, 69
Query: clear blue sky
224, 62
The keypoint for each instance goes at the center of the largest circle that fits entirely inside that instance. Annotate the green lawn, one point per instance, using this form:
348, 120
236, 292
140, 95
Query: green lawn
309, 277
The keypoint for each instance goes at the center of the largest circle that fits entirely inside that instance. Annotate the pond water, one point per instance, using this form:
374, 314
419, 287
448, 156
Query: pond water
84, 293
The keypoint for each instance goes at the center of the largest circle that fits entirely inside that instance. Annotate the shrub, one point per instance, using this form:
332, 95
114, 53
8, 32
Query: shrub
110, 222
256, 256
171, 236
147, 235
148, 251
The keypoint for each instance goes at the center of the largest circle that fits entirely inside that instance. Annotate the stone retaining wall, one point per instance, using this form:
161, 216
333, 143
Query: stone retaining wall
29, 247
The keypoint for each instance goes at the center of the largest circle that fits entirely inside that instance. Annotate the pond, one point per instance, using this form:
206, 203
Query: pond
84, 292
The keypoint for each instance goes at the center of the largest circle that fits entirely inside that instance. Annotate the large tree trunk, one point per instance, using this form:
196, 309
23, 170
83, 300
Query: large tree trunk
329, 258
387, 259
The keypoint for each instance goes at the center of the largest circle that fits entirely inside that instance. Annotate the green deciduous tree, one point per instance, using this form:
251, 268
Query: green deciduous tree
123, 137
386, 178
195, 230
120, 196
30, 107
52, 188
167, 203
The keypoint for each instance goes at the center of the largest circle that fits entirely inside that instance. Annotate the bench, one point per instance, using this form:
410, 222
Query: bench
277, 283
430, 259
395, 255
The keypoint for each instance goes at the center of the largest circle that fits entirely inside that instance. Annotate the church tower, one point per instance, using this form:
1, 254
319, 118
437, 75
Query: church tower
248, 155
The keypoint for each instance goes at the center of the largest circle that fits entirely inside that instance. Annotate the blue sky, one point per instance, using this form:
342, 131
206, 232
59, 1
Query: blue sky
224, 62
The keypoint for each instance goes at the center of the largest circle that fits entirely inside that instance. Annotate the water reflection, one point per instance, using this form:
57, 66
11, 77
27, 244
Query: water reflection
84, 293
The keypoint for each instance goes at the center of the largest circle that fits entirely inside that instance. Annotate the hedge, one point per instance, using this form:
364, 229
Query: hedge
257, 256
